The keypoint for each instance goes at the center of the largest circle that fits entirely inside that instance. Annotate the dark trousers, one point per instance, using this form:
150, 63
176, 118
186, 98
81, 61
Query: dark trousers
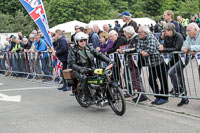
64, 63
159, 72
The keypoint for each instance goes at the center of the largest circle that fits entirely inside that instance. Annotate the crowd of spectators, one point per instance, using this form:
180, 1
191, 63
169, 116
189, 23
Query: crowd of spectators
165, 36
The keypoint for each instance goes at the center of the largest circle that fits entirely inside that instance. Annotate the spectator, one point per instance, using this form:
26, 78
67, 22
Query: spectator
168, 17
135, 71
106, 43
118, 41
20, 36
117, 26
26, 44
82, 29
61, 53
182, 21
197, 19
77, 29
41, 51
161, 38
6, 49
152, 28
31, 39
96, 29
192, 19
126, 16
93, 37
157, 27
174, 42
106, 28
34, 32
147, 46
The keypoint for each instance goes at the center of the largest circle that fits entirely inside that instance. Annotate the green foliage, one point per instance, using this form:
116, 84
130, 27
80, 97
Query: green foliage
19, 22
14, 18
188, 8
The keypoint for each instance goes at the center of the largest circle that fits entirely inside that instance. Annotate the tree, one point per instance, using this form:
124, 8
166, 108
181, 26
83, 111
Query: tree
22, 23
5, 23
60, 11
188, 8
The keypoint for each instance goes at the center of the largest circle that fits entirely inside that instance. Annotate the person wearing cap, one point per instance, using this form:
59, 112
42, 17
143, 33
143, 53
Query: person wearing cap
126, 17
93, 37
135, 70
77, 29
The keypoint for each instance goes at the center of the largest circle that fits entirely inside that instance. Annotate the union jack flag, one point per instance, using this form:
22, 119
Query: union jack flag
59, 68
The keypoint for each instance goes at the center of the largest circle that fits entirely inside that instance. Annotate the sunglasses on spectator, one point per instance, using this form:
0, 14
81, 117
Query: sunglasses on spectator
83, 40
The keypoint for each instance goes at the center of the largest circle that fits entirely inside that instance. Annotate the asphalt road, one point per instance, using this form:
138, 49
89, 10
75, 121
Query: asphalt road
44, 109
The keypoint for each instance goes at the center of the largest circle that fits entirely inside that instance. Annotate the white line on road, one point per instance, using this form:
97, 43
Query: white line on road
1, 83
23, 89
4, 97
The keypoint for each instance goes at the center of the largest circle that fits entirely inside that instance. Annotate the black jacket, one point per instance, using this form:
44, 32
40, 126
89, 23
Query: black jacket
27, 46
173, 43
76, 60
62, 49
119, 42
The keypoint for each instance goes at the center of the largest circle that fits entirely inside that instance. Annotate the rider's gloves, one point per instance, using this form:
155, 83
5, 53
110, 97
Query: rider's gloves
85, 70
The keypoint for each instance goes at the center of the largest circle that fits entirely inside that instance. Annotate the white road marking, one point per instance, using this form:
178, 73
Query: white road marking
23, 89
4, 97
1, 83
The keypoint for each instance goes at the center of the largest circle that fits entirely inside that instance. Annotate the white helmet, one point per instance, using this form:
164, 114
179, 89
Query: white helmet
80, 36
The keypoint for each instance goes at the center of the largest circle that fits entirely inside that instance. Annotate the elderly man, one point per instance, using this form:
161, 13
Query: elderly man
118, 41
148, 47
106, 28
126, 17
190, 46
93, 37
132, 38
173, 41
96, 29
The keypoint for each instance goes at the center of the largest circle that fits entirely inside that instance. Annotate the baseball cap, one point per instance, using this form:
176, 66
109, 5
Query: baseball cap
125, 14
14, 37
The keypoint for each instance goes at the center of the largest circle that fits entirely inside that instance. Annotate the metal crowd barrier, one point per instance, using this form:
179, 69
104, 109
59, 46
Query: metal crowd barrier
27, 65
181, 75
131, 71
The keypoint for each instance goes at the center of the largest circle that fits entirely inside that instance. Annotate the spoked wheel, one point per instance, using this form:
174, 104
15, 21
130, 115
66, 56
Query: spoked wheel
117, 101
81, 98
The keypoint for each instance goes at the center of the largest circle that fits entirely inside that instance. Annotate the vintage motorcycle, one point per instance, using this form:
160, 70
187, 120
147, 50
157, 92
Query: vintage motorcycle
103, 91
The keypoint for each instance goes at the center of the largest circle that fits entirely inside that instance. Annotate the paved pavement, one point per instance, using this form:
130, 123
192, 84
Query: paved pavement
44, 109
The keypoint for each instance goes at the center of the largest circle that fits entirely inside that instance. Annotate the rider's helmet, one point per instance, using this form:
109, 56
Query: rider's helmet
80, 36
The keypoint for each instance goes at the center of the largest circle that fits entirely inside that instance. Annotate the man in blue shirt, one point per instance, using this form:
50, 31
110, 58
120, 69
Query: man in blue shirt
41, 49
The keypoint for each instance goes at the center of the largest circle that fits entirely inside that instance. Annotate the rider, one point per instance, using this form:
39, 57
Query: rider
81, 60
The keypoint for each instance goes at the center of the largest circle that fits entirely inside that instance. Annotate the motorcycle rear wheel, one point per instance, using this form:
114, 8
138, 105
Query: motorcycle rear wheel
81, 98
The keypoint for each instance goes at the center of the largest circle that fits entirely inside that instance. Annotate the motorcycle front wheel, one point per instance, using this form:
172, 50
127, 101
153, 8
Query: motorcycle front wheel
117, 101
